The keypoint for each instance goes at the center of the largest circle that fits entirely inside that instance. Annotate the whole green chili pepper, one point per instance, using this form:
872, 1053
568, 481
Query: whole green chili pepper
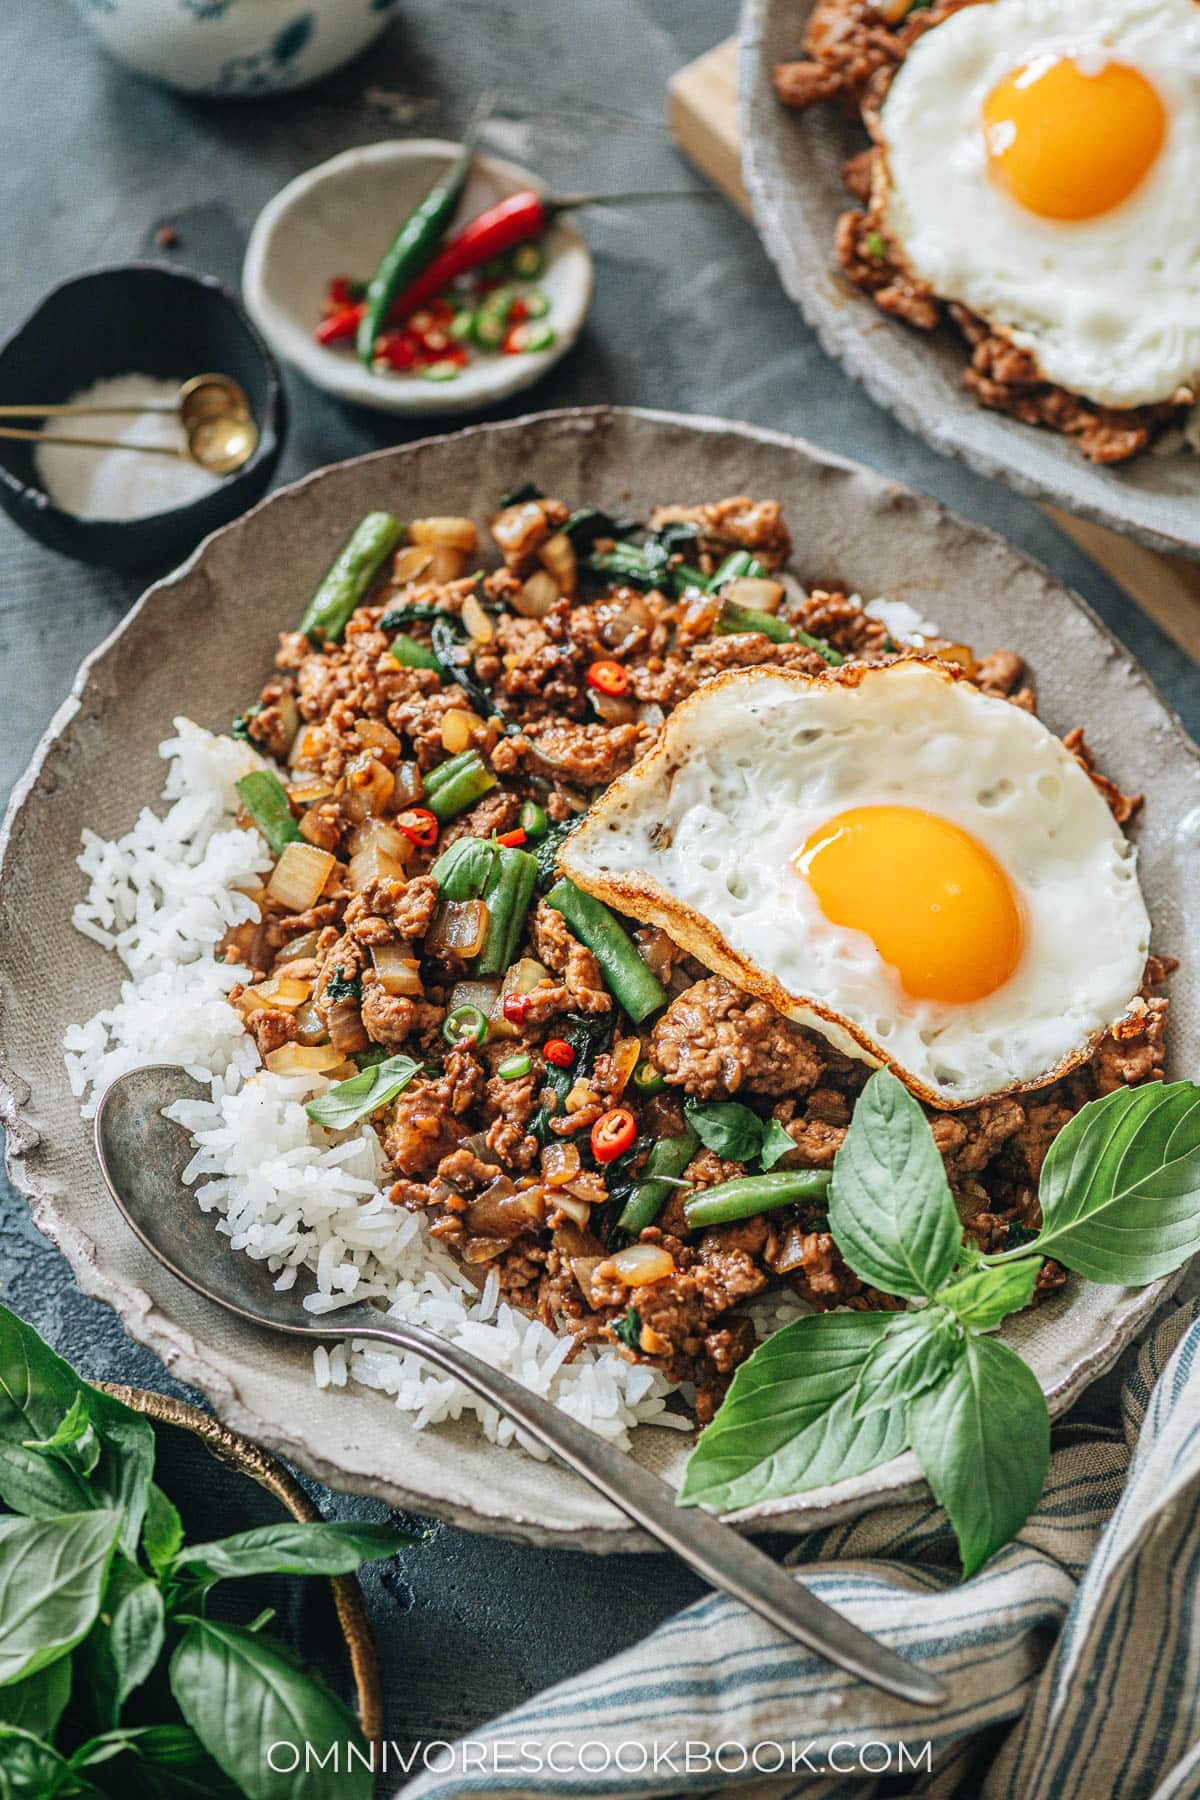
638, 990
264, 797
414, 244
357, 565
662, 1169
751, 1194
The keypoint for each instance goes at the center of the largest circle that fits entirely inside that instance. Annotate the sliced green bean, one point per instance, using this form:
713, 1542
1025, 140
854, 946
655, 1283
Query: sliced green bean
438, 777
629, 980
733, 617
506, 896
737, 564
411, 655
464, 788
662, 1169
751, 1194
264, 797
348, 580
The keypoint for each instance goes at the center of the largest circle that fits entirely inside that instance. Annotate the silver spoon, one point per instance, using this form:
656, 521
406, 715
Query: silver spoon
142, 1158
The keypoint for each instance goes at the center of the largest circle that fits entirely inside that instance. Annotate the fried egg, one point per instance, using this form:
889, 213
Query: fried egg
918, 871
1039, 166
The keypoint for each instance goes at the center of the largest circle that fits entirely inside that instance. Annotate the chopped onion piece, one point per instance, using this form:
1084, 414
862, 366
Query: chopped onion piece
560, 1163
300, 874
451, 532
346, 1029
285, 991
754, 591
303, 1059
310, 1024
300, 947
614, 709
477, 621
960, 654
309, 792
519, 978
377, 735
578, 1210
639, 1265
308, 747
480, 994
457, 727
557, 557
377, 834
458, 929
625, 1056
368, 787
409, 787
398, 972
372, 864
410, 563
535, 597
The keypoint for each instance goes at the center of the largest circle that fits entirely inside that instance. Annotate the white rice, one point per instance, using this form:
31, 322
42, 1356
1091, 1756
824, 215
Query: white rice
290, 1193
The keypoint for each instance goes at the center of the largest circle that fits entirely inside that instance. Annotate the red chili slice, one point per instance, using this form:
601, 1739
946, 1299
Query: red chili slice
515, 1008
512, 840
558, 1052
613, 1133
420, 826
608, 677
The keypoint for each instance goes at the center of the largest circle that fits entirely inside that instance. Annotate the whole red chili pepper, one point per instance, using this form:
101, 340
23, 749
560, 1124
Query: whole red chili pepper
512, 221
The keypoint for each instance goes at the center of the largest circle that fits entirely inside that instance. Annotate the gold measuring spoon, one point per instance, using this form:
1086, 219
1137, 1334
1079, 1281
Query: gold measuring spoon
219, 433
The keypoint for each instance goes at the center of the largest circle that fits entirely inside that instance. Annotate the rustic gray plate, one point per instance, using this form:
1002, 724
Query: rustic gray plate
792, 165
199, 643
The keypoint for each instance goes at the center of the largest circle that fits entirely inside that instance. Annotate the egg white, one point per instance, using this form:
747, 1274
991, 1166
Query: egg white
699, 836
1110, 306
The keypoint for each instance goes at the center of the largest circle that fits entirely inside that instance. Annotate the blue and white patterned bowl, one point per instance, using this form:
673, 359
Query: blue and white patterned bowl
235, 49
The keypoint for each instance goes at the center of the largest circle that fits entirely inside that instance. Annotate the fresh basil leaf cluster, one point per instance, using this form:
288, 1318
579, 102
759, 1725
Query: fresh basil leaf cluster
737, 1133
347, 1102
113, 1680
836, 1394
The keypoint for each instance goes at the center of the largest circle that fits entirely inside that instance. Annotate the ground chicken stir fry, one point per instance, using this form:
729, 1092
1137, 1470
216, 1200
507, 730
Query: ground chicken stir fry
853, 50
465, 719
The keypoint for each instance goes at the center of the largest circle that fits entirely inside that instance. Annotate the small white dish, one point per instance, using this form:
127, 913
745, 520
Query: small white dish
339, 218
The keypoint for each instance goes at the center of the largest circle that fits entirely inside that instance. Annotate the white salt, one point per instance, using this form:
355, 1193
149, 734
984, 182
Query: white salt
120, 484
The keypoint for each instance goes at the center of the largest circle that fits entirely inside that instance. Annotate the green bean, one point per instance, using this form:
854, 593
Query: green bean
533, 819
737, 564
507, 895
264, 797
347, 582
411, 655
662, 1169
733, 617
464, 788
626, 975
438, 777
751, 1194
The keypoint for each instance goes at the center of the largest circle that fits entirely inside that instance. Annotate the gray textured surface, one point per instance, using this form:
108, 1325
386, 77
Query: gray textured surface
688, 314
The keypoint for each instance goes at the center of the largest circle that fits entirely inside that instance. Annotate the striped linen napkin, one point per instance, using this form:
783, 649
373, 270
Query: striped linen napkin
1072, 1660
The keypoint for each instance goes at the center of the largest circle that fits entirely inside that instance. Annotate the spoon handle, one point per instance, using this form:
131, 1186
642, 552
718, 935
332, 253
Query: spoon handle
714, 1550
82, 412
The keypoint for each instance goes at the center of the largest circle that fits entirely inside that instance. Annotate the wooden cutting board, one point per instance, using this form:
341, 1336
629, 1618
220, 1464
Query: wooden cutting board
703, 116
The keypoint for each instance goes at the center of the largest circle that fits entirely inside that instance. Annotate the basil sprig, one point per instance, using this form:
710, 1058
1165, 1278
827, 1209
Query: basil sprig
347, 1102
837, 1394
101, 1601
736, 1133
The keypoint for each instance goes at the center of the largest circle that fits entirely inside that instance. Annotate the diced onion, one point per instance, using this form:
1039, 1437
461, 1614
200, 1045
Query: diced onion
960, 654
477, 621
410, 563
459, 928
303, 1059
378, 735
346, 1029
285, 991
372, 864
519, 528
557, 556
756, 592
310, 792
480, 994
445, 564
398, 972
614, 709
308, 747
368, 787
578, 1210
378, 834
310, 1024
535, 597
409, 788
457, 726
300, 874
639, 1265
451, 533
560, 1163
625, 1057
299, 947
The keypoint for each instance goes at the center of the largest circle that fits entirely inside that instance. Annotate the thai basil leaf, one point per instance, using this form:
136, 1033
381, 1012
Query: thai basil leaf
239, 1692
120, 1651
37, 1392
776, 1142
984, 1297
31, 1770
331, 1547
890, 1205
628, 1329
727, 1127
39, 1486
37, 1703
982, 1438
463, 871
457, 663
52, 1575
528, 490
164, 1762
162, 1533
547, 848
787, 1423
589, 1034
349, 1101
75, 1442
1120, 1187
918, 1349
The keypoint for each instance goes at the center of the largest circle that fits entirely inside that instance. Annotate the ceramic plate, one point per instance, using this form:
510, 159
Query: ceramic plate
339, 218
792, 165
98, 765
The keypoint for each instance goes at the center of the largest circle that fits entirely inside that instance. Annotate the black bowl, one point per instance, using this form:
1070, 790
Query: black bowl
145, 319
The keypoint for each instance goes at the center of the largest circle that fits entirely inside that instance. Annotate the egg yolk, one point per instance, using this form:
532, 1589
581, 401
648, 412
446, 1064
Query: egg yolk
937, 906
1070, 143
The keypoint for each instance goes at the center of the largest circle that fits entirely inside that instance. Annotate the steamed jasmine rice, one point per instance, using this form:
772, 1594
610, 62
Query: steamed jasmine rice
288, 1192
